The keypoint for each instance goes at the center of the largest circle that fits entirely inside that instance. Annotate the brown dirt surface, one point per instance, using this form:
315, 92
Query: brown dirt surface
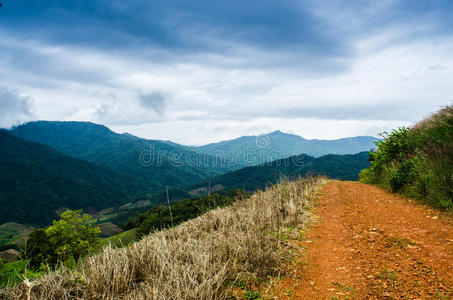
371, 244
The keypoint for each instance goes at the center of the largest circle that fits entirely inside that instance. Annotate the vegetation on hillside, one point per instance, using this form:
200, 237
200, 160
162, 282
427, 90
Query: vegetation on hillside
418, 161
254, 150
162, 217
344, 167
36, 180
65, 242
155, 163
12, 235
204, 258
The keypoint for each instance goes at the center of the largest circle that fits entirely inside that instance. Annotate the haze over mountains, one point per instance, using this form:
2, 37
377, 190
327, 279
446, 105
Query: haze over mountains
46, 165
253, 150
97, 143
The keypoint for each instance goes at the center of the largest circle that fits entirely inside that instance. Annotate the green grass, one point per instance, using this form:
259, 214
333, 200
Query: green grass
122, 239
12, 273
12, 233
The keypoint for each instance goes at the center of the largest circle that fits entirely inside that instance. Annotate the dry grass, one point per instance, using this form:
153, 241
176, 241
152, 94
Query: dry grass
194, 260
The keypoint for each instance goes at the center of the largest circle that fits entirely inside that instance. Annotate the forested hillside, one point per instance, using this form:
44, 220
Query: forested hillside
253, 150
344, 167
156, 162
35, 180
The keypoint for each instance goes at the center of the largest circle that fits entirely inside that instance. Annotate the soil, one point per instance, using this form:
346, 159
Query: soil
371, 244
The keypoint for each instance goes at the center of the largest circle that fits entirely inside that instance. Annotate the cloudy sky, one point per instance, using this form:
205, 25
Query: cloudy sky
202, 71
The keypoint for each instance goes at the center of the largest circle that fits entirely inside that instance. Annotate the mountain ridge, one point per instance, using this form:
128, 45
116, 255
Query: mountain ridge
36, 180
159, 163
257, 149
251, 178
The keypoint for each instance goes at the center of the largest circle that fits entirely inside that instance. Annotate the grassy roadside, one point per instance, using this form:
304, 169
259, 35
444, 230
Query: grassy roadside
204, 258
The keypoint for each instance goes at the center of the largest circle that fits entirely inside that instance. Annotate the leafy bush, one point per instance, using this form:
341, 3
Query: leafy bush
404, 175
66, 241
417, 161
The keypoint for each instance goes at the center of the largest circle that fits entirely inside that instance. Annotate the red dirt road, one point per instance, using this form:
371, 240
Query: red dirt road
370, 243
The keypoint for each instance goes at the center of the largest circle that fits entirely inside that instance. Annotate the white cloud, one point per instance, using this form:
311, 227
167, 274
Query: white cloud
15, 108
385, 85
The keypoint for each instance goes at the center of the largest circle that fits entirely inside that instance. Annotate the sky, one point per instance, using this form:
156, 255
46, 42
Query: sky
202, 71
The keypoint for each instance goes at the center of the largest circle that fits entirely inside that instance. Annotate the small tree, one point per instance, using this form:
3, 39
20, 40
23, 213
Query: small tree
38, 249
73, 236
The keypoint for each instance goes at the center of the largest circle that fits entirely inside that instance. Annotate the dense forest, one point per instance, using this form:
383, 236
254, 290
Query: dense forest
36, 180
417, 161
157, 163
344, 167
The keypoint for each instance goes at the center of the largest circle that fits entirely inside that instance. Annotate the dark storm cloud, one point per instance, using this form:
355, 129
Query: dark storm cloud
180, 27
191, 48
289, 31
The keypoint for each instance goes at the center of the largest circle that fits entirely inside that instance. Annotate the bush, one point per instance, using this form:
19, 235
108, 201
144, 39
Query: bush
417, 161
66, 241
404, 175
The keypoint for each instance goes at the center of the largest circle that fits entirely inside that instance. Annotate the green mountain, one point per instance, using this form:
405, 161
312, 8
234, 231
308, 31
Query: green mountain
344, 167
253, 150
36, 180
158, 163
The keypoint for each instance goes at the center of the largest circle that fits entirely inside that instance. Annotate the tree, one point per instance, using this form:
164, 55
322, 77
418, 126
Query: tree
67, 240
38, 249
73, 236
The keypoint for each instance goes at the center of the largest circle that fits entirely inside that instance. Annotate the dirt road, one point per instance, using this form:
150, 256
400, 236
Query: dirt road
370, 243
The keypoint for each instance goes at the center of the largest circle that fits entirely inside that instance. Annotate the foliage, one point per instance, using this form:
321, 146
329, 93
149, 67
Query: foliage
161, 217
195, 260
36, 180
417, 161
12, 235
156, 164
66, 241
15, 272
344, 167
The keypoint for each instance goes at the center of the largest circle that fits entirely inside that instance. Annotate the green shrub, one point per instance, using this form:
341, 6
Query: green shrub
417, 161
404, 175
66, 241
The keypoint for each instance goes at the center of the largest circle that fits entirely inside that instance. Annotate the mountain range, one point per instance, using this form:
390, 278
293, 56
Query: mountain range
46, 165
155, 162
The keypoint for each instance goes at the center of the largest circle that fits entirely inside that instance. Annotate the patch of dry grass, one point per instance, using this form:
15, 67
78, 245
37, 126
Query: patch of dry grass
194, 260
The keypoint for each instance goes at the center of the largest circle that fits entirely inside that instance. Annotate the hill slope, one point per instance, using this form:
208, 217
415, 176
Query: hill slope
156, 162
345, 167
253, 150
35, 180
198, 259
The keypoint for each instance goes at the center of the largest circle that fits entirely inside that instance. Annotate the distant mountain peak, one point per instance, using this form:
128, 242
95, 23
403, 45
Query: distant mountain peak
277, 132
